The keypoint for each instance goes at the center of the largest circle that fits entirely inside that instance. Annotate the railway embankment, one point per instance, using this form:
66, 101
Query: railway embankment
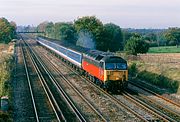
6, 73
162, 77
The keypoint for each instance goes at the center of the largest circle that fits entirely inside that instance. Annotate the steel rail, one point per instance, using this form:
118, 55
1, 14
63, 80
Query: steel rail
110, 96
161, 106
75, 89
129, 109
60, 90
120, 103
29, 84
47, 91
155, 112
166, 99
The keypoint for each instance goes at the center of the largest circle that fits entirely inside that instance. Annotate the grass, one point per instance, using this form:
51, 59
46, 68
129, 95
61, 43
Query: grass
6, 68
5, 117
5, 74
161, 75
164, 49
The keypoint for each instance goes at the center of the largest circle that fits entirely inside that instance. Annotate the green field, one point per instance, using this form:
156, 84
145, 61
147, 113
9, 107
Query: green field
164, 49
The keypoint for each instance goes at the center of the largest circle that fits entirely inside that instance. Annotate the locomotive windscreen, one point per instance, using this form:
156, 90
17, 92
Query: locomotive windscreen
115, 63
115, 66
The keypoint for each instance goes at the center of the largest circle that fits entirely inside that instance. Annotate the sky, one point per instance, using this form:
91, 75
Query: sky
125, 13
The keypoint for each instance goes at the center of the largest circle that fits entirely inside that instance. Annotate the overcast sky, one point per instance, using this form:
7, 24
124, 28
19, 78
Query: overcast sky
125, 13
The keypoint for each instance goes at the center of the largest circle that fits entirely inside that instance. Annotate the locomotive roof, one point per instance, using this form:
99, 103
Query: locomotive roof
113, 59
97, 55
107, 57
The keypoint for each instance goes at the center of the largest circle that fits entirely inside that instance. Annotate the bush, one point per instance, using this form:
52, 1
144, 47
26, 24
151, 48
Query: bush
133, 69
4, 117
159, 80
135, 45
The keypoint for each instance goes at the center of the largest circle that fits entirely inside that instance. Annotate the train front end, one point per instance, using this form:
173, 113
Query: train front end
115, 73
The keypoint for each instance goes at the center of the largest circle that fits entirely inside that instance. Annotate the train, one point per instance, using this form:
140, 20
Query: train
103, 68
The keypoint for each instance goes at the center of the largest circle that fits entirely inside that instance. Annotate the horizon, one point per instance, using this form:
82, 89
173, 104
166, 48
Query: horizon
138, 14
105, 23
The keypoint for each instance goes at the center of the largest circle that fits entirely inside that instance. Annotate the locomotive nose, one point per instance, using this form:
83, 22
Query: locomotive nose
116, 75
117, 78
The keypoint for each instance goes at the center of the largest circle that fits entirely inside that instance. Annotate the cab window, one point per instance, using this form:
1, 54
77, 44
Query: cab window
110, 66
121, 66
116, 66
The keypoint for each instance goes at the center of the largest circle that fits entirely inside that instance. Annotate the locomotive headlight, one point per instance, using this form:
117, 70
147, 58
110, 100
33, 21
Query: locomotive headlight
117, 78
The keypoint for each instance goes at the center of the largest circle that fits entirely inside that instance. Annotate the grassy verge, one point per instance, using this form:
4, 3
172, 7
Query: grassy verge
164, 49
5, 117
159, 80
6, 73
5, 76
153, 74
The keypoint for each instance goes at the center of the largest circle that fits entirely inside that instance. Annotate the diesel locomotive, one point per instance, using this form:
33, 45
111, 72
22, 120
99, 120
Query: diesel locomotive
103, 68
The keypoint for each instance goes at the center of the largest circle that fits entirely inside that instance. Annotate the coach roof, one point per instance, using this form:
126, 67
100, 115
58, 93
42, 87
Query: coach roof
68, 45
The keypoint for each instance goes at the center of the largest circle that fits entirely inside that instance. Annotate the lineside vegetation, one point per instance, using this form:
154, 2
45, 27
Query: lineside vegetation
7, 33
159, 75
7, 30
6, 68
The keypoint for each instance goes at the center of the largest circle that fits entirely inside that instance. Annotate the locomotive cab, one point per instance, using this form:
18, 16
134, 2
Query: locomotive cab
107, 70
115, 73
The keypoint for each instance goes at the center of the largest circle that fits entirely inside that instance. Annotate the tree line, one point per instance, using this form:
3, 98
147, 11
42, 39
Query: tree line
89, 31
106, 37
7, 30
159, 37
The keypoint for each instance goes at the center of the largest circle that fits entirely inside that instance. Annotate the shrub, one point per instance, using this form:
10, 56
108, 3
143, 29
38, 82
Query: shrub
133, 69
4, 117
158, 80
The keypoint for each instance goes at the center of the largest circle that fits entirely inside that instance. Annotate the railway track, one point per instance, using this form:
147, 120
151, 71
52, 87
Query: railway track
167, 110
93, 113
57, 92
157, 117
22, 103
98, 115
29, 84
44, 109
157, 95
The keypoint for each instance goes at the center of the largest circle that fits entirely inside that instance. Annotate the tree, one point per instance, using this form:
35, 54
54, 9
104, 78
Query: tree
161, 41
65, 31
49, 30
42, 26
126, 35
92, 25
172, 36
136, 45
152, 37
112, 39
7, 30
